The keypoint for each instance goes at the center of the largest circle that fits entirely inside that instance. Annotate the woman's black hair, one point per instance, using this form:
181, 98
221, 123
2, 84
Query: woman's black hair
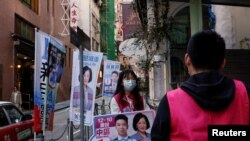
86, 68
136, 119
120, 89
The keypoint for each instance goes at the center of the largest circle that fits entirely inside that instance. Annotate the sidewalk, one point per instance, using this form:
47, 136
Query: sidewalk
65, 104
58, 106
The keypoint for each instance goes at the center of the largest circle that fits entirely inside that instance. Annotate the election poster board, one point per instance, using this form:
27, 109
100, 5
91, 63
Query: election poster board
45, 95
56, 58
105, 128
41, 57
110, 77
91, 67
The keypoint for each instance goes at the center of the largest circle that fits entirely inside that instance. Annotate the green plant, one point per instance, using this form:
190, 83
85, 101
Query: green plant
244, 43
152, 32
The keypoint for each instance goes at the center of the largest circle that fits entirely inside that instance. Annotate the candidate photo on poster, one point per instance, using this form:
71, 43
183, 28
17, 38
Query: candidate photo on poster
88, 91
114, 79
89, 74
141, 125
123, 126
110, 77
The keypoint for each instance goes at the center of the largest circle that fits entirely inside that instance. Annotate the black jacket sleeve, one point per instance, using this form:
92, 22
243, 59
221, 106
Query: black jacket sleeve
248, 89
161, 126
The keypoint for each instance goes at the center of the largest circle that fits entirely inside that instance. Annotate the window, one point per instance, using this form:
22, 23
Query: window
27, 2
32, 4
3, 118
53, 7
95, 45
24, 28
13, 113
48, 5
180, 34
95, 24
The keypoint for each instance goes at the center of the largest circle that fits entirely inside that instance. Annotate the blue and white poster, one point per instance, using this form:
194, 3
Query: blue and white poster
110, 77
49, 56
56, 59
90, 71
41, 57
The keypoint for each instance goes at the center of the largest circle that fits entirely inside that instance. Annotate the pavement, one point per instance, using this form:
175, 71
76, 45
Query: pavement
58, 106
102, 104
65, 104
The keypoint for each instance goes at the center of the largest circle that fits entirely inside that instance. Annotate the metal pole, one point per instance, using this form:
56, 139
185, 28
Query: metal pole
70, 130
81, 94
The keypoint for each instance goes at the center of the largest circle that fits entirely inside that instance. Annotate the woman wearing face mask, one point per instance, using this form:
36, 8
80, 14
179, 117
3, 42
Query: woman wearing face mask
127, 97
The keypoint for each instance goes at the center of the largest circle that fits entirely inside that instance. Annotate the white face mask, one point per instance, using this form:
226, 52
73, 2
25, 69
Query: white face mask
129, 85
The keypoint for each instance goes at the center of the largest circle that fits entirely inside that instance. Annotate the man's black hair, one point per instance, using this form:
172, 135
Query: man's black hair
121, 116
115, 72
206, 50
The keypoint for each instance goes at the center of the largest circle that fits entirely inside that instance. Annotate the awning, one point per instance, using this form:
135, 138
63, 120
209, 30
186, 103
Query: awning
25, 46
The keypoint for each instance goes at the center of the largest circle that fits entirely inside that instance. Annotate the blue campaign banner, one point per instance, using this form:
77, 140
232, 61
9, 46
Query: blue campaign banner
48, 51
110, 77
56, 57
41, 57
90, 70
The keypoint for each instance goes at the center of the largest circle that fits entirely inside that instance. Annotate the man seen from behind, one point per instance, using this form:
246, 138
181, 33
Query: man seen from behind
207, 98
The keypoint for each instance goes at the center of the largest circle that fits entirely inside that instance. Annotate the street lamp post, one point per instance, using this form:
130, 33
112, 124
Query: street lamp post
81, 94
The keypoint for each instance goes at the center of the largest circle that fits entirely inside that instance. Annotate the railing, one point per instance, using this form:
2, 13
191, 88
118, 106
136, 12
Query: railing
102, 109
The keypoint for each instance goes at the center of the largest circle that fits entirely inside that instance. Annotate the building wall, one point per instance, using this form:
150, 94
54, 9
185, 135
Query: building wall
232, 22
56, 28
6, 46
95, 26
84, 16
47, 22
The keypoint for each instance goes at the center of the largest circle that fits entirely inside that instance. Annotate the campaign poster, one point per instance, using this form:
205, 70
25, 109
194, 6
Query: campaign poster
90, 70
41, 57
47, 52
124, 126
56, 56
110, 77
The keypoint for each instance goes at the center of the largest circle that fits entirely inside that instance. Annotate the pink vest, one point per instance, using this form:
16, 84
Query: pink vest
189, 122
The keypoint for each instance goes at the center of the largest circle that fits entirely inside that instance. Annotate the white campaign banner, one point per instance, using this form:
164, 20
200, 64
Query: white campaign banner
90, 70
41, 57
110, 77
